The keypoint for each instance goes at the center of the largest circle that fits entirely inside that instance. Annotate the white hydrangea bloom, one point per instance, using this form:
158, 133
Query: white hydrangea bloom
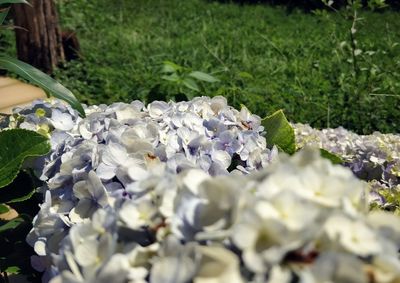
170, 193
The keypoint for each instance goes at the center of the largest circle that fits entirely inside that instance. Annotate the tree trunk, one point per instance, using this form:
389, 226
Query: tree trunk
39, 35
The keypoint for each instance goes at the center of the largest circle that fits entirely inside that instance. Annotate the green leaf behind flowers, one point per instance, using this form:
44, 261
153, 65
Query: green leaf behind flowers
15, 146
279, 132
331, 156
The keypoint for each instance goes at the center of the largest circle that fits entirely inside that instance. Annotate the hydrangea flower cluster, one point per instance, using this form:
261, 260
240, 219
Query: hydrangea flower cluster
188, 192
374, 158
300, 220
98, 160
203, 133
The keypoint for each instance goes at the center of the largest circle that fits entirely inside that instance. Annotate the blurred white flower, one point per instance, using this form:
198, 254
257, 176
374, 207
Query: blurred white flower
216, 265
351, 235
333, 267
268, 230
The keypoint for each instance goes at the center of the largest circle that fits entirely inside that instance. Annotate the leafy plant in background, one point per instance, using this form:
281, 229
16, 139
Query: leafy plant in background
357, 83
184, 80
279, 131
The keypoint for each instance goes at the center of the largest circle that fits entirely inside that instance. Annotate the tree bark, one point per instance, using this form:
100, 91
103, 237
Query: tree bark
39, 35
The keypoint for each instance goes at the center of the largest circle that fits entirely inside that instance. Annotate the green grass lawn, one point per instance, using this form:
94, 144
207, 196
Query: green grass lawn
263, 57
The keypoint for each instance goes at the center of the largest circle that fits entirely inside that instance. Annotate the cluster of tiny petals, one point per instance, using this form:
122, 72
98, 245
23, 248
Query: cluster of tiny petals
374, 158
187, 192
267, 226
97, 161
203, 133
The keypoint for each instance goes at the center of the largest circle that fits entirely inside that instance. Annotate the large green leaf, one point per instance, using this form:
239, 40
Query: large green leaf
279, 132
39, 78
15, 146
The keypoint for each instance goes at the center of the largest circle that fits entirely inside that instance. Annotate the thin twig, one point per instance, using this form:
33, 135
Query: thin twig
353, 43
272, 44
204, 43
328, 116
335, 10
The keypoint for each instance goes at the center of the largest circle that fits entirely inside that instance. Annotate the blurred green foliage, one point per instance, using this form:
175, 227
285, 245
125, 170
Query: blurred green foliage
262, 56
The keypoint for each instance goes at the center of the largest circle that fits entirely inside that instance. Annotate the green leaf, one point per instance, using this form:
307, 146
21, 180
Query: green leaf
170, 67
23, 198
14, 2
15, 146
21, 189
39, 78
13, 270
245, 75
12, 224
3, 208
172, 77
279, 132
203, 77
189, 83
331, 156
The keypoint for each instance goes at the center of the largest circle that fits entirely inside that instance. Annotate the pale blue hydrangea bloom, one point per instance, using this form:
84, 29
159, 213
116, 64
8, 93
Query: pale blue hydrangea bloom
96, 162
133, 193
